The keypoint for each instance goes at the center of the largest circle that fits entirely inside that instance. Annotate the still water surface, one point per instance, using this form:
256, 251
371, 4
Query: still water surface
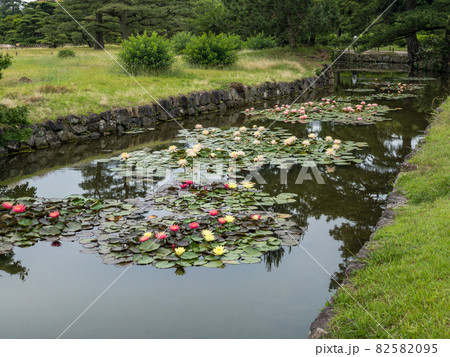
44, 288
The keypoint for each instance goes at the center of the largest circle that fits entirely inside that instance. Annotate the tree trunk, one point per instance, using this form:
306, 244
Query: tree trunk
99, 41
124, 27
291, 32
411, 41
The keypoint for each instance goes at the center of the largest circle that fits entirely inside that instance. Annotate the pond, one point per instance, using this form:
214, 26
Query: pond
45, 287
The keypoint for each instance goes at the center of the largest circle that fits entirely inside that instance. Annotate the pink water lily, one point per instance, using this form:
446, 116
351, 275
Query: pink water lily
174, 228
214, 212
54, 214
193, 225
189, 182
184, 185
255, 217
161, 235
7, 205
222, 220
19, 208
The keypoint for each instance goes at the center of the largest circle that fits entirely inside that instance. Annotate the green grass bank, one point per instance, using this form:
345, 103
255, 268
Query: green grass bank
93, 82
405, 285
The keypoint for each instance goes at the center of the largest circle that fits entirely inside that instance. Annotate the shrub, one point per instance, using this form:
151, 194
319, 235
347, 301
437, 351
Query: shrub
260, 42
143, 53
12, 121
66, 53
5, 62
180, 40
213, 50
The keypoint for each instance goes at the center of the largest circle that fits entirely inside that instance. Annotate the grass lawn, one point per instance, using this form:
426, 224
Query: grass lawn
405, 285
93, 82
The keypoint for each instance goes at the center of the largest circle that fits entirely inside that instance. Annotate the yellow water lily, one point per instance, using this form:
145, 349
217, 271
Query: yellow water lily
219, 250
179, 251
248, 184
208, 235
229, 219
232, 185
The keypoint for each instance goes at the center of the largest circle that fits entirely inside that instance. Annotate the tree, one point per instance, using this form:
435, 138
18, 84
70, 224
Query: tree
10, 7
5, 62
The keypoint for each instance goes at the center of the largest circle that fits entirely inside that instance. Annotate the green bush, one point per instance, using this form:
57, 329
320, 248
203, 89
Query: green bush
143, 53
12, 121
5, 62
213, 50
180, 41
260, 42
66, 53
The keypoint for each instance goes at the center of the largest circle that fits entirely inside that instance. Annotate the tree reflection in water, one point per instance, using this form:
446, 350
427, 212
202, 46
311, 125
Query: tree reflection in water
12, 267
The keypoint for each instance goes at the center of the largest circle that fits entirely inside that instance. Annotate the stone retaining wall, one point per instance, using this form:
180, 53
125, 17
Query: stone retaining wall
94, 125
374, 56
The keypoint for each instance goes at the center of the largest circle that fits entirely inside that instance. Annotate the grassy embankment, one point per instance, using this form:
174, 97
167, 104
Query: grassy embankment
93, 82
405, 285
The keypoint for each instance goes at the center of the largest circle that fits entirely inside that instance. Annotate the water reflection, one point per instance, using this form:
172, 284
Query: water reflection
12, 267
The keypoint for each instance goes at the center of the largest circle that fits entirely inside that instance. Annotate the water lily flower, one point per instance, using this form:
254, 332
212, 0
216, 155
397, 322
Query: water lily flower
229, 219
179, 251
248, 184
231, 185
182, 162
258, 158
54, 214
255, 217
261, 128
184, 185
305, 143
212, 155
189, 182
193, 225
125, 156
214, 212
237, 138
146, 237
256, 142
257, 133
363, 103
197, 147
174, 228
252, 108
237, 133
19, 208
242, 128
330, 169
173, 148
328, 138
247, 110
336, 146
191, 153
161, 235
233, 154
290, 140
7, 205
208, 235
199, 126
240, 153
222, 220
329, 152
336, 141
312, 136
219, 250
273, 142
205, 132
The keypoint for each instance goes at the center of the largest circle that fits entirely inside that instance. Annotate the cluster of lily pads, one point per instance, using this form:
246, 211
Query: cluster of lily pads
191, 225
25, 221
387, 90
232, 150
327, 110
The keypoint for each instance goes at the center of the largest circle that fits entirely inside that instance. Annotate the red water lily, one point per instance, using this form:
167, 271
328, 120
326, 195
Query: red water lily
222, 220
54, 214
214, 212
255, 217
174, 228
193, 225
189, 182
19, 208
184, 185
7, 205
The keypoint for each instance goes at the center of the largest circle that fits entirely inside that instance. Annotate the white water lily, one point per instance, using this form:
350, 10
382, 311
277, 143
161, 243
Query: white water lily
182, 162
329, 152
290, 140
261, 128
256, 134
237, 133
336, 146
240, 153
256, 142
237, 138
273, 142
205, 132
328, 138
212, 155
199, 126
173, 148
191, 153
197, 147
258, 158
242, 128
312, 136
306, 143
234, 154
336, 141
